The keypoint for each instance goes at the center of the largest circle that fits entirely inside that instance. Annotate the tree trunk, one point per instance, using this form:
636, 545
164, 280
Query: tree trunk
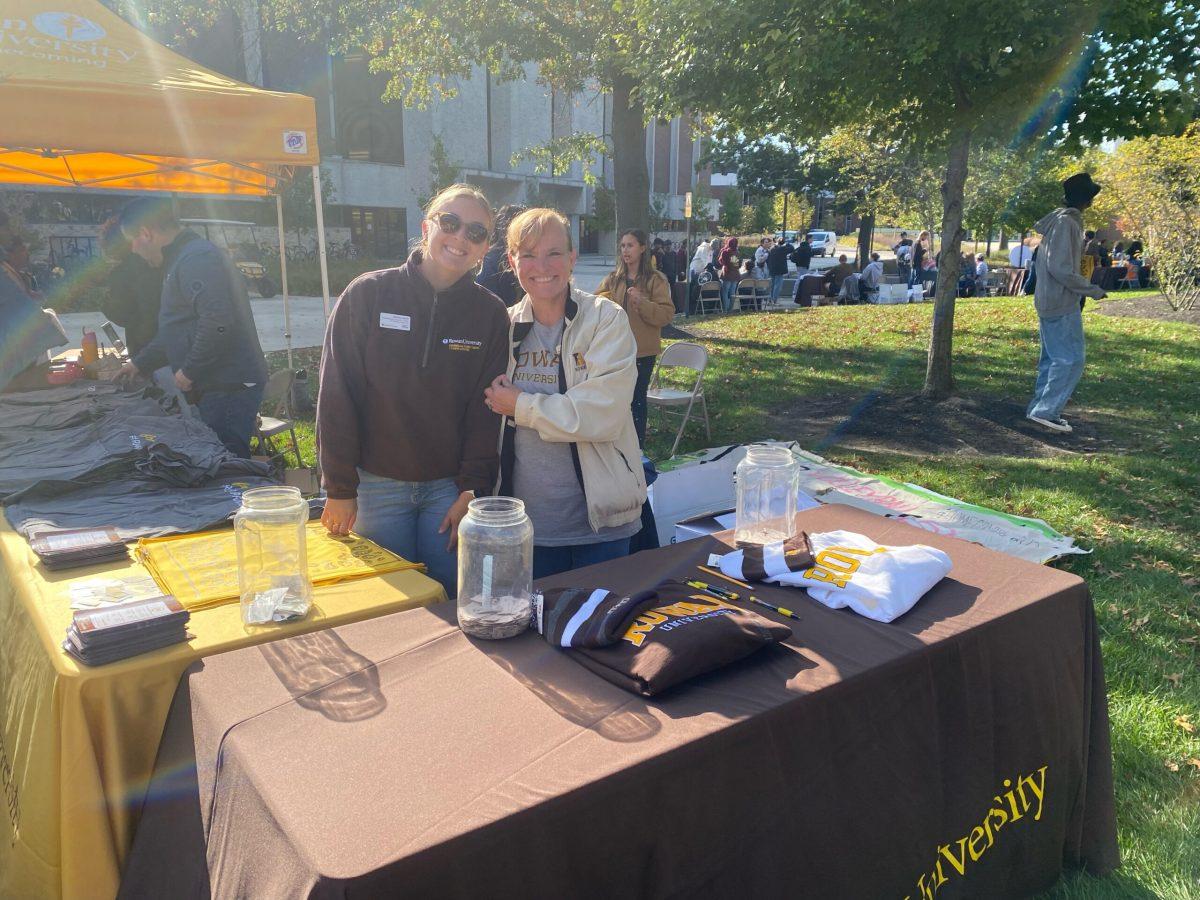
1003, 240
939, 379
631, 179
866, 230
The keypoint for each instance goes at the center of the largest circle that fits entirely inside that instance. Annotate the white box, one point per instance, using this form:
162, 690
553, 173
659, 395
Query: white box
891, 293
699, 526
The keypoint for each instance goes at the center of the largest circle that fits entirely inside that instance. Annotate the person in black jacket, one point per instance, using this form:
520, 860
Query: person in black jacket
495, 273
802, 257
206, 331
777, 260
134, 289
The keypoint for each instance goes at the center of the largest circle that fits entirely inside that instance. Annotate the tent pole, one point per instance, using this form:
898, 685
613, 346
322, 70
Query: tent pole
316, 170
287, 307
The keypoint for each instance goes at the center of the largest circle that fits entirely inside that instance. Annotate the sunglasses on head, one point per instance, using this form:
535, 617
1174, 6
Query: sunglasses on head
449, 222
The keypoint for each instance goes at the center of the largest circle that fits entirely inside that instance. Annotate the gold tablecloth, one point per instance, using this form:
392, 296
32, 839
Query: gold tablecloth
77, 744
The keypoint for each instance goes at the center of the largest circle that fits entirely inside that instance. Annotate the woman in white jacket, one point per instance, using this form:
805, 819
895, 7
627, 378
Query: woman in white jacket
568, 448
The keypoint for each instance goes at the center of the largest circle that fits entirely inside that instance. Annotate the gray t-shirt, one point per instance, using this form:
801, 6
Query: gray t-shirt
544, 473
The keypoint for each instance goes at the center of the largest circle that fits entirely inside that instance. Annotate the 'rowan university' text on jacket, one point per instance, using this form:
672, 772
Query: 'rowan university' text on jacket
403, 373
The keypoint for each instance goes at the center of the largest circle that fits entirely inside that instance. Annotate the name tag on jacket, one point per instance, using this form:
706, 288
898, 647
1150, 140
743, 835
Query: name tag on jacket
395, 322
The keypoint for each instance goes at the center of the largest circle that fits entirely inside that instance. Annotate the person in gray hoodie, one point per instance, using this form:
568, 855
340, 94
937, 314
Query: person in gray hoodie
1058, 294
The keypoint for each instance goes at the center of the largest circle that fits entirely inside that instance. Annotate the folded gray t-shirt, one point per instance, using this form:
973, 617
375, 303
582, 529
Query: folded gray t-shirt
544, 474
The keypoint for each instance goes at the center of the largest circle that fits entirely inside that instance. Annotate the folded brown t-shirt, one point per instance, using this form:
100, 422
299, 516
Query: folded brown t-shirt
684, 634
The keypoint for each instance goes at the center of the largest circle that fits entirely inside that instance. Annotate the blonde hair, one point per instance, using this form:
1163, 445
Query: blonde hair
526, 229
447, 196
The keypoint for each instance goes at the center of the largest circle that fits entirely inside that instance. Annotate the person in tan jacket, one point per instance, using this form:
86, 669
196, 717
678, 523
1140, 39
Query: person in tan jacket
645, 295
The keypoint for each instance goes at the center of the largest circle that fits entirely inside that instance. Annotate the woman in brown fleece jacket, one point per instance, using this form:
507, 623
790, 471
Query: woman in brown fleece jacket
404, 438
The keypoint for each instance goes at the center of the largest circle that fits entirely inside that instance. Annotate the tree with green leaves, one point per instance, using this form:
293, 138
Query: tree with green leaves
701, 198
730, 217
970, 73
1153, 187
443, 171
604, 209
299, 206
759, 215
792, 212
426, 47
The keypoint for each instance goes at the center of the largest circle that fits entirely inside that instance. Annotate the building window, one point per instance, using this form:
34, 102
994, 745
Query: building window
367, 128
379, 232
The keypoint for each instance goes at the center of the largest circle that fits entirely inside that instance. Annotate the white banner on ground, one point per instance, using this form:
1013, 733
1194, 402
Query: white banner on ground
703, 482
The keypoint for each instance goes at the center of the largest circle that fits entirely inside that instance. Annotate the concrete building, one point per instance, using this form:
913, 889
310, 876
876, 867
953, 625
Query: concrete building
379, 156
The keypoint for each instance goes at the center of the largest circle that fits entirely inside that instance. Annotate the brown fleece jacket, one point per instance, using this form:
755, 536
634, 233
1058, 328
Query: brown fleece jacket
403, 372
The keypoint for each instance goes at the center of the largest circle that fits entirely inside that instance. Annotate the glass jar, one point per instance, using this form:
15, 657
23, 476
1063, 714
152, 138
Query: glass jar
272, 555
495, 568
767, 481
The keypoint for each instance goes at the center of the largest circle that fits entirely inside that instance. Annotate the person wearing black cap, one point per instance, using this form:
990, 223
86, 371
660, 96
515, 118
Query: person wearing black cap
1057, 292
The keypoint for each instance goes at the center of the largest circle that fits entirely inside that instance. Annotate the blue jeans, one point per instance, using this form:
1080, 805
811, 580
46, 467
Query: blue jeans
231, 414
552, 560
404, 517
776, 287
728, 289
1060, 366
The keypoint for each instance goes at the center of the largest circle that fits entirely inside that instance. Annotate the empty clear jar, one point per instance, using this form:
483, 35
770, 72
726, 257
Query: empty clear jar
767, 480
272, 555
495, 568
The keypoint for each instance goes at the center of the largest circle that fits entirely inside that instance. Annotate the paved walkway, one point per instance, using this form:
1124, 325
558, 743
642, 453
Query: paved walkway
308, 319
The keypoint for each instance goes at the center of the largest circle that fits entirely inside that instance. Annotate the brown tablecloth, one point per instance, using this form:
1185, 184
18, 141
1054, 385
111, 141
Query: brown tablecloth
812, 287
964, 748
1108, 278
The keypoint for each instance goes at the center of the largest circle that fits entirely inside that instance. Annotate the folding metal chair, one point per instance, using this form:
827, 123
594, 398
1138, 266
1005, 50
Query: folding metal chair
277, 402
710, 292
746, 295
1130, 278
680, 355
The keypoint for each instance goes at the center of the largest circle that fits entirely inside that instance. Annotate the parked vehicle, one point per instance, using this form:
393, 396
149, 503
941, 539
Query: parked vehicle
823, 243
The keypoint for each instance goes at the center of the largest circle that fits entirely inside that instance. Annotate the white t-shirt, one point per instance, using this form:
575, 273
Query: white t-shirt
879, 582
1019, 256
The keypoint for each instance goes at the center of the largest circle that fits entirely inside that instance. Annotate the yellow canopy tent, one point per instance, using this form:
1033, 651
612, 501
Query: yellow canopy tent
89, 101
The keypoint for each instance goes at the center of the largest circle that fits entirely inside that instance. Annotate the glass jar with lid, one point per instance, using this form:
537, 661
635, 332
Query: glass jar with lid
272, 553
495, 568
767, 481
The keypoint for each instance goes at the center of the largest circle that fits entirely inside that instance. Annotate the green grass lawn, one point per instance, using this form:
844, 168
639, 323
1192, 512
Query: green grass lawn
1134, 502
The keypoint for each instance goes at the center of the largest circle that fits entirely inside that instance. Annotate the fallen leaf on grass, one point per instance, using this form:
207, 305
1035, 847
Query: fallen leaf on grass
1193, 762
1171, 764
1185, 723
1174, 678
